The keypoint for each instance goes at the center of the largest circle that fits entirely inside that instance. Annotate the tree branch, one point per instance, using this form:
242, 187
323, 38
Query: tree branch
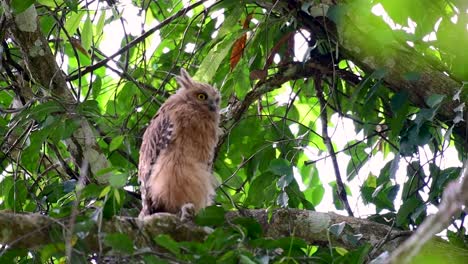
454, 199
340, 187
367, 49
134, 42
33, 231
43, 69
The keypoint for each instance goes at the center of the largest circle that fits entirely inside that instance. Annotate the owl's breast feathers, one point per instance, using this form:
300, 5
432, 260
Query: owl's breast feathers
196, 136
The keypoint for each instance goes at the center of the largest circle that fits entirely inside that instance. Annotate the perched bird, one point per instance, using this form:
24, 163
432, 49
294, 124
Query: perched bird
176, 155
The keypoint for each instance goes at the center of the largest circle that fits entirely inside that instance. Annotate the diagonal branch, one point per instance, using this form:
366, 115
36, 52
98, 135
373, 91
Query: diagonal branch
134, 42
341, 191
287, 72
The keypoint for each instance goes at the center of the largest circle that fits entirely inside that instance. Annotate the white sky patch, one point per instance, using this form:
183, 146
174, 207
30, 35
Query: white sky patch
433, 35
276, 58
91, 78
190, 47
379, 10
62, 61
135, 25
454, 19
430, 37
285, 98
411, 28
298, 178
301, 45
219, 16
209, 3
294, 128
186, 3
342, 131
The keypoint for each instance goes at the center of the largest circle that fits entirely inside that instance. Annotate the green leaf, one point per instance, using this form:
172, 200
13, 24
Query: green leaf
456, 239
209, 66
231, 20
116, 143
69, 186
282, 199
118, 180
287, 243
341, 251
406, 209
20, 6
245, 260
168, 243
72, 23
87, 34
72, 4
254, 229
241, 80
280, 167
119, 242
50, 3
113, 203
262, 190
210, 216
91, 191
358, 255
100, 25
358, 158
434, 100
337, 229
44, 110
317, 194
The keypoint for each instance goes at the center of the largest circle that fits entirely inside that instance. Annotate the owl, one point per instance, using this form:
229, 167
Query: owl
176, 155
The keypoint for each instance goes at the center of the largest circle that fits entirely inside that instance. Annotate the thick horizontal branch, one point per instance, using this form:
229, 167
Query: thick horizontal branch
33, 231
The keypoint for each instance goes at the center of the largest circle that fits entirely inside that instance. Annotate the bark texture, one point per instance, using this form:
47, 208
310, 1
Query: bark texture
34, 230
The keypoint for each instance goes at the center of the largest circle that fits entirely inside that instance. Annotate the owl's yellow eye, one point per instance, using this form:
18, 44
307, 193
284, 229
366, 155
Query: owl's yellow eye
201, 96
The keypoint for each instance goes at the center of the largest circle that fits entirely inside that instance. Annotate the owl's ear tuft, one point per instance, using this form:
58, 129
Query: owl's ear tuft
185, 80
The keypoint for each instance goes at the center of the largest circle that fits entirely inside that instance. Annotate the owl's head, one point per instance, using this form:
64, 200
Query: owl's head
200, 95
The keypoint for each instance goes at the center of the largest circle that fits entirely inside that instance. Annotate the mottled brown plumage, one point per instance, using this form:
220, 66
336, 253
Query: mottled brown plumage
178, 148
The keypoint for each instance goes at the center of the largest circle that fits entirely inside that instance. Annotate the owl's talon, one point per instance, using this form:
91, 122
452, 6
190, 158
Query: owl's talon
187, 212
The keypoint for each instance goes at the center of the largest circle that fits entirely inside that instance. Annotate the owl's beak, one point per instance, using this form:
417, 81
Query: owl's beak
212, 106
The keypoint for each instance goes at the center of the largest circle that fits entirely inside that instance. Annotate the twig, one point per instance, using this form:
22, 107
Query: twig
134, 42
326, 139
79, 187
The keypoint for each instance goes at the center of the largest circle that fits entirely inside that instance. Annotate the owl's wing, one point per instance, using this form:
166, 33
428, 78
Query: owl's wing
157, 137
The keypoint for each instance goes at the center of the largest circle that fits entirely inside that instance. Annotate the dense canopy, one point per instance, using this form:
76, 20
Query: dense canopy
351, 106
